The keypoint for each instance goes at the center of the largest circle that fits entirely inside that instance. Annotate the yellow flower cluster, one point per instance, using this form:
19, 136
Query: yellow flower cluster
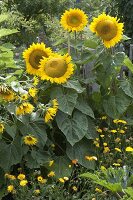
24, 108
51, 111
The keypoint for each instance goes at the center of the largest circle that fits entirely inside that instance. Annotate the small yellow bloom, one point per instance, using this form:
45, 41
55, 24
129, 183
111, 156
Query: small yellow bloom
24, 97
69, 166
61, 180
53, 145
97, 139
23, 183
35, 81
51, 174
130, 149
21, 177
115, 121
51, 163
66, 178
117, 149
113, 131
75, 188
117, 140
30, 140
1, 127
104, 117
116, 164
99, 130
98, 190
10, 188
90, 158
102, 136
37, 191
105, 144
122, 121
121, 131
9, 176
106, 150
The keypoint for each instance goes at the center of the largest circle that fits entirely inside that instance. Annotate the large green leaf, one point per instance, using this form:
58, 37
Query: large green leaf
5, 32
114, 187
129, 191
74, 128
83, 106
116, 105
91, 134
79, 151
37, 158
11, 130
10, 154
66, 97
128, 63
74, 84
61, 167
127, 87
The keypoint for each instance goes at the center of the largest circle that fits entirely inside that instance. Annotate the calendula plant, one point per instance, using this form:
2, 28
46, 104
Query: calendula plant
50, 109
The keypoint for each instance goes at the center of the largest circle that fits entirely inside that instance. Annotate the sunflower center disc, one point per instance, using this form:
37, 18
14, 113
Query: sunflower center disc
35, 58
29, 138
74, 21
56, 67
106, 29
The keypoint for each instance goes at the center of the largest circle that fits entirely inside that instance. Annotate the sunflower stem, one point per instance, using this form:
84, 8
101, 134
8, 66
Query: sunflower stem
69, 49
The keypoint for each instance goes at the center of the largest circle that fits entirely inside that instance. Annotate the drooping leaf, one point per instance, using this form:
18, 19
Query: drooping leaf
66, 97
79, 151
127, 87
83, 106
127, 62
5, 32
74, 84
74, 128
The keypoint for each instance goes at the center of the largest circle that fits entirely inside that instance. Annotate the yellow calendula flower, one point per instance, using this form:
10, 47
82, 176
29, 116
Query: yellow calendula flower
66, 178
37, 191
21, 177
33, 55
99, 130
115, 121
108, 29
56, 68
117, 140
104, 117
106, 150
9, 176
33, 92
51, 163
117, 149
121, 131
98, 190
61, 180
10, 188
30, 140
51, 111
23, 183
130, 149
90, 158
51, 174
1, 127
24, 108
105, 144
122, 121
74, 20
41, 179
113, 131
75, 188
102, 136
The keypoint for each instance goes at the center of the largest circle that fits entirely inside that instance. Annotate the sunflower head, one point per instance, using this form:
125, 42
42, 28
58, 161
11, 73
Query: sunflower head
56, 68
7, 95
30, 140
24, 108
51, 111
1, 127
108, 28
74, 20
33, 55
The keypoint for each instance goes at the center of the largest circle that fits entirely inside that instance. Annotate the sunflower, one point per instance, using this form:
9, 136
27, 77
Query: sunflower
74, 20
1, 127
33, 92
51, 111
33, 55
108, 28
7, 95
30, 140
56, 68
24, 108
